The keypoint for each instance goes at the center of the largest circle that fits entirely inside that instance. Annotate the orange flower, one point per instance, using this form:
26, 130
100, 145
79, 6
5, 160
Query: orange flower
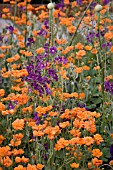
111, 162
81, 95
7, 74
17, 152
61, 143
18, 136
111, 49
18, 124
71, 29
40, 50
19, 167
86, 68
96, 162
5, 10
4, 151
96, 153
2, 92
96, 68
6, 161
94, 51
75, 133
79, 46
80, 54
25, 160
52, 131
88, 141
28, 53
2, 55
38, 133
31, 167
40, 166
66, 2
6, 0
17, 159
1, 139
98, 139
108, 36
78, 70
89, 165
2, 107
68, 49
74, 165
53, 113
64, 124
15, 142
88, 48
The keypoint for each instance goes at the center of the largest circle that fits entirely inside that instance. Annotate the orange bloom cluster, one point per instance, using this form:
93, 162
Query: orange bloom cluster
43, 110
30, 121
12, 59
18, 124
1, 139
2, 92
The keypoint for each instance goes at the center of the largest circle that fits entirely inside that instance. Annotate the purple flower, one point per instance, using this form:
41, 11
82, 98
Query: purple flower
46, 146
90, 36
22, 8
46, 47
42, 32
46, 23
10, 106
10, 28
104, 45
106, 2
109, 44
53, 74
53, 50
0, 15
82, 105
36, 118
60, 5
1, 38
108, 86
45, 157
111, 150
30, 41
60, 59
35, 113
79, 2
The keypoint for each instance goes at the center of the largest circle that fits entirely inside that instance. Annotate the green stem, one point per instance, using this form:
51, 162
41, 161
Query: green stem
26, 25
102, 59
73, 37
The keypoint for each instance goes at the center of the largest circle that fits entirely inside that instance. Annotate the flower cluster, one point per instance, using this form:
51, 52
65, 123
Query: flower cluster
55, 71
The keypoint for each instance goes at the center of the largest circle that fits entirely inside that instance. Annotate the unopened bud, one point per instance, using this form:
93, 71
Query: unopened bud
98, 8
50, 5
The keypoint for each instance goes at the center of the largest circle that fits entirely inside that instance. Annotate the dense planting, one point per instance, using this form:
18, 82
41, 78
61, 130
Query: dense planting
56, 86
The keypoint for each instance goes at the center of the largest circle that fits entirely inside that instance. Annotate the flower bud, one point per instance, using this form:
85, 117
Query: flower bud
98, 8
50, 5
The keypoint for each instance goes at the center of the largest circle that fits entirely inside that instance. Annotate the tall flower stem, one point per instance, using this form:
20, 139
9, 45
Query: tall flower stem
51, 27
102, 60
26, 24
73, 37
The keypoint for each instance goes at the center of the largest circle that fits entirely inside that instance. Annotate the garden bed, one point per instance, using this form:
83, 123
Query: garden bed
56, 86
